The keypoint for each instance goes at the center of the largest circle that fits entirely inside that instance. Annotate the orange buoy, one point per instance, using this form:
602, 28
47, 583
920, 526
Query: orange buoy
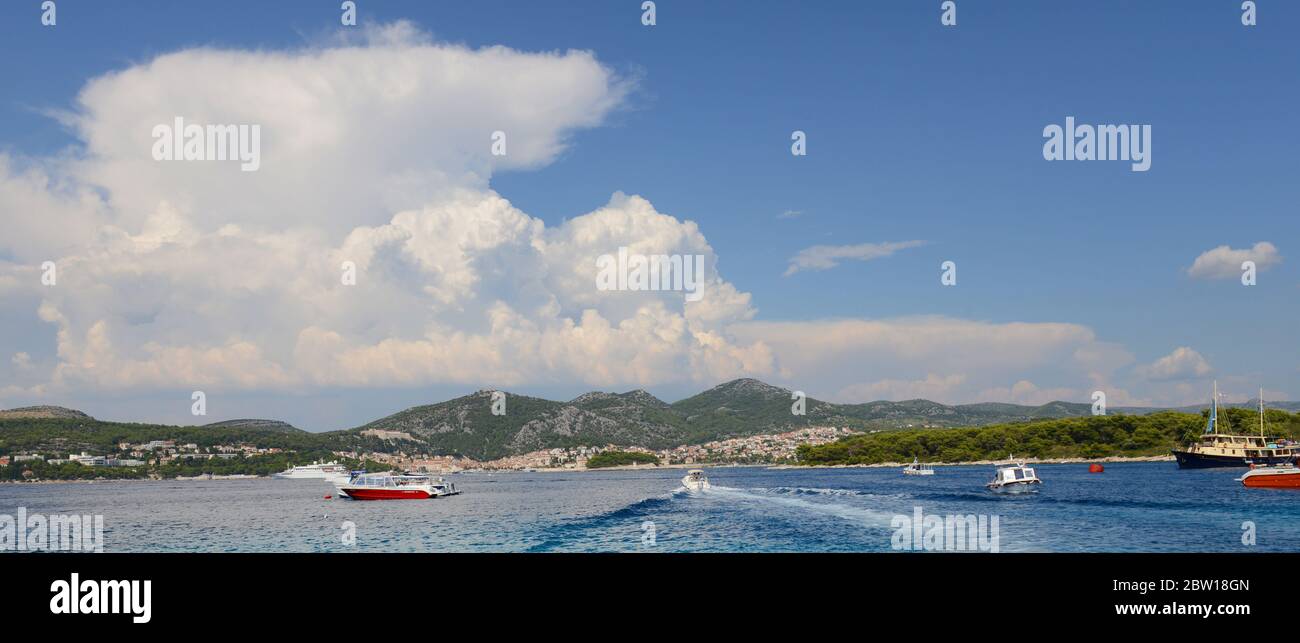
1095, 468
327, 496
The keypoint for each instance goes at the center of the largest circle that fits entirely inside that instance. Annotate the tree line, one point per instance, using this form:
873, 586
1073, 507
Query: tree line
1085, 437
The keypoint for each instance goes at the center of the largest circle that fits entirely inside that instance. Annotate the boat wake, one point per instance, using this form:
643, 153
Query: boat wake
852, 513
817, 491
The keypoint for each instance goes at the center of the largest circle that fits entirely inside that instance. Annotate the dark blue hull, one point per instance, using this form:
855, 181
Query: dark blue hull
1189, 460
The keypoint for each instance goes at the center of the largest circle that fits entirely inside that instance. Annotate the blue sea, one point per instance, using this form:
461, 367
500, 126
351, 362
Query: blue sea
1132, 507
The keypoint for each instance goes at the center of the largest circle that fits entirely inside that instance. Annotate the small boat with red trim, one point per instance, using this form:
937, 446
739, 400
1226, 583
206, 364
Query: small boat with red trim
1282, 476
397, 486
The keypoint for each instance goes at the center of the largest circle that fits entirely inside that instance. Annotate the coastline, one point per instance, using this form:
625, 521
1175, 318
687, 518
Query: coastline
698, 465
986, 463
103, 480
628, 467
884, 465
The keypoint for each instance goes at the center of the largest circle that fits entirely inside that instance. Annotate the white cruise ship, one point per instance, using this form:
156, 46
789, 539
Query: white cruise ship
315, 471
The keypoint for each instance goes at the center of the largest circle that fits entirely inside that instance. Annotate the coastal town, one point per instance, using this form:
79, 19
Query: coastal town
135, 455
758, 449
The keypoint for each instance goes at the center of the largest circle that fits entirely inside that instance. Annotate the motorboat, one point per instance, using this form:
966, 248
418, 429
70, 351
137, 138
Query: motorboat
695, 480
1013, 476
1279, 476
918, 469
397, 486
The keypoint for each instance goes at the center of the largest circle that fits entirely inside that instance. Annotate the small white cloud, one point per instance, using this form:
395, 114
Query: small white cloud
21, 360
825, 257
790, 214
1183, 363
1224, 262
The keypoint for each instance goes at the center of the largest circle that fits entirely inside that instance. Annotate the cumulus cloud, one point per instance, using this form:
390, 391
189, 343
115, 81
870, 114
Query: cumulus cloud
378, 153
826, 257
468, 290
1183, 363
1224, 262
350, 133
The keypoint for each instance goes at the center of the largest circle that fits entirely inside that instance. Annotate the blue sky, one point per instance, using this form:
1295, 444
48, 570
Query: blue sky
915, 132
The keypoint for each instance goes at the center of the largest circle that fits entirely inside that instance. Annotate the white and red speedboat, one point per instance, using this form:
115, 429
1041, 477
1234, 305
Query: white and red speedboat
397, 486
1283, 476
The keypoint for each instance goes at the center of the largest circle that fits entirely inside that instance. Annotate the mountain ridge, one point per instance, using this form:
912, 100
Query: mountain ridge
465, 426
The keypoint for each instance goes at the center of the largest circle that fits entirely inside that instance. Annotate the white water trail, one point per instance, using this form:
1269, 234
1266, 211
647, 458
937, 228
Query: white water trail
851, 513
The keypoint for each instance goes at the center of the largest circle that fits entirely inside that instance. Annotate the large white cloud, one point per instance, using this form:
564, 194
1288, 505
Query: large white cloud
195, 274
349, 134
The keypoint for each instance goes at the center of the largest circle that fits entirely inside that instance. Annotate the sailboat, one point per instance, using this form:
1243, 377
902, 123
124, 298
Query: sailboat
1215, 449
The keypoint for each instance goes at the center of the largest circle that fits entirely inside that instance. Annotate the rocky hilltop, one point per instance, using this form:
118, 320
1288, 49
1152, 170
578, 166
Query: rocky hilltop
43, 413
260, 425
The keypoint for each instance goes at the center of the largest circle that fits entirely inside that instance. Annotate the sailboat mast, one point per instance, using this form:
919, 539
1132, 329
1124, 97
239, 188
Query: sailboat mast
1261, 412
1214, 408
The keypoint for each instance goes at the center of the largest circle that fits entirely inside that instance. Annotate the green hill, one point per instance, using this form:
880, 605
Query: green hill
61, 435
465, 426
1087, 437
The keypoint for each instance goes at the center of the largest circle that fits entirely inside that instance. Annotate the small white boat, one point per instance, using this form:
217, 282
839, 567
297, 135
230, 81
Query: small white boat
918, 469
695, 480
1013, 476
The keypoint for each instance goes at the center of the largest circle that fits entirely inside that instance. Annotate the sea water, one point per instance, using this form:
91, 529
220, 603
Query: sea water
1132, 507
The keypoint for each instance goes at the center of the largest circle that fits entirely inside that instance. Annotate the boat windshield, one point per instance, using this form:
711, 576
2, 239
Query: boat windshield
1016, 473
386, 480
